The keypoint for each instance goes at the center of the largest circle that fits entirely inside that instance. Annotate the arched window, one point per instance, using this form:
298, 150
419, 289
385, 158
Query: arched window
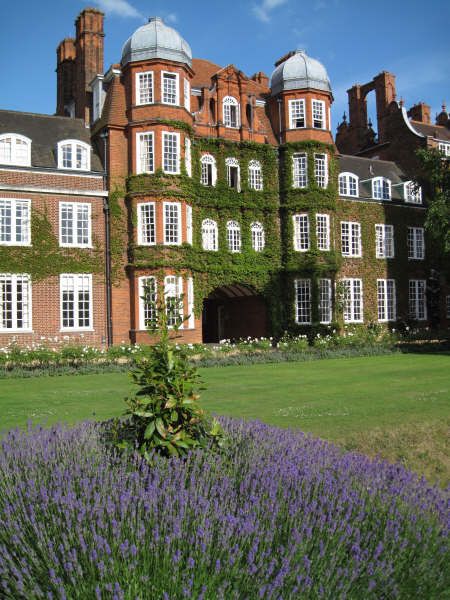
208, 170
381, 188
209, 235
74, 154
348, 185
255, 180
234, 236
258, 237
15, 149
413, 192
231, 117
233, 173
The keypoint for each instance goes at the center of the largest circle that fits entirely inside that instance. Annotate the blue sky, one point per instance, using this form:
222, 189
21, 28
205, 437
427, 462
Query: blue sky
355, 39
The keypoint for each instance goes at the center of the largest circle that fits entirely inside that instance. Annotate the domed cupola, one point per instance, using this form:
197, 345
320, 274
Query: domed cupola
297, 71
156, 40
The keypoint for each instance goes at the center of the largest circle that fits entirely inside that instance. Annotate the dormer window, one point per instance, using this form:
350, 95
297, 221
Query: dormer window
231, 116
15, 150
413, 192
233, 173
73, 154
144, 87
208, 170
296, 114
318, 114
255, 181
169, 85
444, 148
381, 188
348, 185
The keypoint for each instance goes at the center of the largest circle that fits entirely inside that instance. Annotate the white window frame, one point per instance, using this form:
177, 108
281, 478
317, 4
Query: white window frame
173, 288
320, 103
303, 313
150, 98
205, 160
444, 147
144, 223
386, 300
177, 87
17, 143
302, 239
210, 238
384, 190
258, 236
228, 102
416, 243
297, 112
176, 136
412, 192
353, 306
187, 95
351, 239
13, 279
447, 306
255, 177
234, 239
384, 241
140, 167
318, 176
188, 156
417, 299
23, 223
348, 184
167, 240
189, 224
78, 280
233, 162
74, 145
300, 170
190, 303
147, 310
325, 300
76, 208
323, 232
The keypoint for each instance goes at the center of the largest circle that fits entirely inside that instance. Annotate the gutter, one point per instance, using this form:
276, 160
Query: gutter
106, 213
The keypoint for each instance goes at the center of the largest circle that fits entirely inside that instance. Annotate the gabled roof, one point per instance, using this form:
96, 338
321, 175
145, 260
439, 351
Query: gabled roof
45, 131
204, 70
436, 131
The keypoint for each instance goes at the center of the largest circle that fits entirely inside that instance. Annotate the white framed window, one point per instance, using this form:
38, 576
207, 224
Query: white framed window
147, 289
353, 300
76, 301
188, 224
412, 192
209, 235
75, 224
301, 232
255, 179
15, 149
323, 231
173, 290
302, 301
447, 307
234, 236
416, 243
381, 188
299, 171
188, 156
297, 114
187, 95
351, 239
171, 152
444, 148
325, 300
384, 241
258, 236
208, 175
321, 169
172, 223
233, 173
386, 300
417, 299
146, 217
348, 185
15, 302
15, 222
190, 303
231, 116
145, 152
318, 114
144, 87
170, 88
74, 154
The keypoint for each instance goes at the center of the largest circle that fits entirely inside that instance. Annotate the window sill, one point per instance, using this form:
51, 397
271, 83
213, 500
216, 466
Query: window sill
8, 331
76, 330
16, 244
86, 247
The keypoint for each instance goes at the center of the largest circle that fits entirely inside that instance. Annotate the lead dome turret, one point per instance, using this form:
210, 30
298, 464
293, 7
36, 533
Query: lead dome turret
299, 71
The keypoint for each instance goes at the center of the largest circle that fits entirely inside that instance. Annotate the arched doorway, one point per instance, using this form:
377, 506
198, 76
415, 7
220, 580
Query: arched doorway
232, 312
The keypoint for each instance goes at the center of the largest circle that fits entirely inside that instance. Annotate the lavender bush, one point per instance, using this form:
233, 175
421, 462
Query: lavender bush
278, 515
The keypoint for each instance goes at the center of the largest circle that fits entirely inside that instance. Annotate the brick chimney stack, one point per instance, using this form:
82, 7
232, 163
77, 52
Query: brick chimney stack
420, 112
65, 73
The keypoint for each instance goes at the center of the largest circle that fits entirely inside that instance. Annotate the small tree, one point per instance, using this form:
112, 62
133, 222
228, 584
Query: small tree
164, 415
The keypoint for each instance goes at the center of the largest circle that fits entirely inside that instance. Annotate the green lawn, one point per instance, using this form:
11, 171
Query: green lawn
355, 401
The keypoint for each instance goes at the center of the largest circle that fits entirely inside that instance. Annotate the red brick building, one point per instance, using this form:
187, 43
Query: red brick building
226, 189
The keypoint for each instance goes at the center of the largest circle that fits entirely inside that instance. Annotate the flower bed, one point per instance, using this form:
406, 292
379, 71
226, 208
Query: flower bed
276, 515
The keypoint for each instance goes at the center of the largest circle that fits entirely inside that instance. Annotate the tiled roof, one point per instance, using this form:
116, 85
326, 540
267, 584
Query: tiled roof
114, 108
437, 131
204, 70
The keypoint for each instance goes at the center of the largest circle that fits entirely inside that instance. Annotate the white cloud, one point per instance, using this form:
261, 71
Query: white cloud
262, 11
171, 18
121, 8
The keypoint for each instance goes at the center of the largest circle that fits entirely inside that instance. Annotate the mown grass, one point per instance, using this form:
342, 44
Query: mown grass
396, 406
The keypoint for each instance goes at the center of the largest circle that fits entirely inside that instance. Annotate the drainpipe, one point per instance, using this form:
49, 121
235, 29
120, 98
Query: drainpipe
106, 213
280, 137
